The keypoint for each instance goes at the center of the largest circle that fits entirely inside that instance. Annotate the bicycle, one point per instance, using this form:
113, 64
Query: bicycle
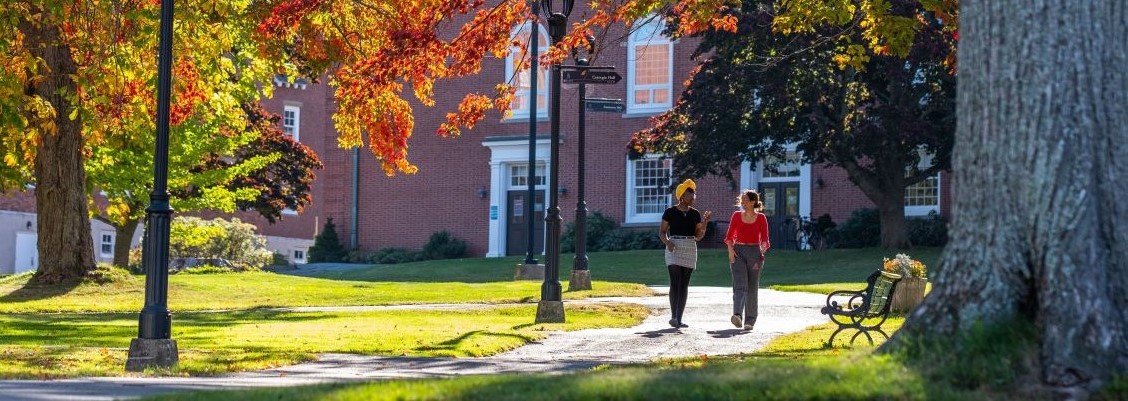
807, 237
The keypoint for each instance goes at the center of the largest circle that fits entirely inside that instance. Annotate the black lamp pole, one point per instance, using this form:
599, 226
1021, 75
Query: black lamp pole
534, 73
581, 279
551, 308
154, 346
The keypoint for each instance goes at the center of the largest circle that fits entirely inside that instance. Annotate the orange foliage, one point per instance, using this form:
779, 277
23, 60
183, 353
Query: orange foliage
373, 50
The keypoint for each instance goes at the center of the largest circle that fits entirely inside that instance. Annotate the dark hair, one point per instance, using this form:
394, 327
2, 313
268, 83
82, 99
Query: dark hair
752, 196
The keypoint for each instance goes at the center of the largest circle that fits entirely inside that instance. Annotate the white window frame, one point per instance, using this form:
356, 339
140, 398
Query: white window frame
296, 128
923, 210
295, 255
649, 32
102, 243
542, 86
632, 196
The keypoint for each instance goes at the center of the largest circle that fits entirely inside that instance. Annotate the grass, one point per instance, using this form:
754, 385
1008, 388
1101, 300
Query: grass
70, 345
84, 328
791, 367
232, 291
783, 269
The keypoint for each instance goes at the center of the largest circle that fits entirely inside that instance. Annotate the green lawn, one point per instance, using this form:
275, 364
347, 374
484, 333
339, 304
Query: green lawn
84, 329
783, 269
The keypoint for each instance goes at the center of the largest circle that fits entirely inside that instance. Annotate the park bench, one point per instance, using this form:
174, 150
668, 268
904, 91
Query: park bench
864, 310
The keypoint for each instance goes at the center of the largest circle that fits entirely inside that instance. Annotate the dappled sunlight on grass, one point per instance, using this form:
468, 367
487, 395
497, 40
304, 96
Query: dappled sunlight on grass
65, 345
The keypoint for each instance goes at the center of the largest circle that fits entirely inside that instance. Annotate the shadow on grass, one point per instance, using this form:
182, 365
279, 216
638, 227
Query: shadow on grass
455, 344
35, 292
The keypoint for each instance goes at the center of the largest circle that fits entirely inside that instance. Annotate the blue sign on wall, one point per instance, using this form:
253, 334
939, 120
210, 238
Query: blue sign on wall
493, 212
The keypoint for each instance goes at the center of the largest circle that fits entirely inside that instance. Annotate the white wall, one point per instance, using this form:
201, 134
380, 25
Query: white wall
13, 223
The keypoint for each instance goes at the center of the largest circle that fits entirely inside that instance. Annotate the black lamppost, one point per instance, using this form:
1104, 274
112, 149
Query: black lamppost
534, 73
581, 277
154, 346
551, 307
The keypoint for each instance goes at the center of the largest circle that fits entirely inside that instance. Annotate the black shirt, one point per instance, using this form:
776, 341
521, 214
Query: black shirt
682, 223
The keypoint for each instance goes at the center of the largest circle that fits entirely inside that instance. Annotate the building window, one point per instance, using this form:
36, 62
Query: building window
106, 245
648, 188
650, 59
522, 81
299, 256
923, 197
519, 175
291, 121
786, 168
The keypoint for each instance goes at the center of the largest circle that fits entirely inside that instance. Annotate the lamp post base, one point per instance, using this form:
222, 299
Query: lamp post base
581, 280
527, 271
550, 312
151, 353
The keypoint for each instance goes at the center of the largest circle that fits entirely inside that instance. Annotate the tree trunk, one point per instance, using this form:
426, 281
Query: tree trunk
1039, 163
66, 250
124, 234
890, 203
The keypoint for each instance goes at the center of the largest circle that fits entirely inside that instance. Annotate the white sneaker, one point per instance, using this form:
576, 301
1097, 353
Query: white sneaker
735, 319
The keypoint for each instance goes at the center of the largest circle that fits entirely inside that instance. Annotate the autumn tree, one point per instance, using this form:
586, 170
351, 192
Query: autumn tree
259, 169
77, 87
1039, 158
75, 74
887, 120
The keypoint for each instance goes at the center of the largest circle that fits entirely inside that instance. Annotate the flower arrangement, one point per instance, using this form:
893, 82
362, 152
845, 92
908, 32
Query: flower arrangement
906, 266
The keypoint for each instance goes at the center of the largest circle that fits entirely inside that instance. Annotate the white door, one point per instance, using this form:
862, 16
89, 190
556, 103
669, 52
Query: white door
26, 253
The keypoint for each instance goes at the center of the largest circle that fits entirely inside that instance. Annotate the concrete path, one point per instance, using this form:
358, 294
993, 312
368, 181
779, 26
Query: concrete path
707, 313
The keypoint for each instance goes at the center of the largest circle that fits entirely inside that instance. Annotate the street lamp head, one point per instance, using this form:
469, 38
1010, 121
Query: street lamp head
557, 21
547, 9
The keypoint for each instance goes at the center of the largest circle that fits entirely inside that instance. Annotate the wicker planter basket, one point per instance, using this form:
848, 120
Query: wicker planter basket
909, 293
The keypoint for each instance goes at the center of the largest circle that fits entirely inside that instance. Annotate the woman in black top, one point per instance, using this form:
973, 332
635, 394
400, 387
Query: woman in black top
682, 226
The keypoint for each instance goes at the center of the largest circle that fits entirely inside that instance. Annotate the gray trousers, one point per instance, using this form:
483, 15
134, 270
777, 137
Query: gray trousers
746, 282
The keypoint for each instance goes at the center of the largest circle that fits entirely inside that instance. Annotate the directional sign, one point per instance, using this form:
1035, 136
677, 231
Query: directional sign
590, 76
608, 105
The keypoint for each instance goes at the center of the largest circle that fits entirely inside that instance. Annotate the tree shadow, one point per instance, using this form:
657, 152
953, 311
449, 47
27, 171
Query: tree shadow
35, 292
728, 333
659, 333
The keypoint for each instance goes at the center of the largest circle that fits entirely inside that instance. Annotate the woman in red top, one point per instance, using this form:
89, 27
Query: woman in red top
747, 240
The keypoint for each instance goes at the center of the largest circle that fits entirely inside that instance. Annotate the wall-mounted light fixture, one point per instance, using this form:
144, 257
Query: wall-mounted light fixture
732, 185
29, 226
819, 182
563, 191
482, 192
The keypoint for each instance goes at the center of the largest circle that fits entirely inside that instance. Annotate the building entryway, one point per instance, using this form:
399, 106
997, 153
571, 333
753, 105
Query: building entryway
781, 206
27, 256
517, 227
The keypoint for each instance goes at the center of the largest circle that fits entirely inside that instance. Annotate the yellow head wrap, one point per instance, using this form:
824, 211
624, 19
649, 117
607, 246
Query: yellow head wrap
687, 184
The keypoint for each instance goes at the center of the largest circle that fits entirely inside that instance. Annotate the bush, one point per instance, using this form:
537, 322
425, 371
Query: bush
442, 245
931, 230
233, 241
627, 239
327, 246
278, 259
862, 229
393, 255
597, 225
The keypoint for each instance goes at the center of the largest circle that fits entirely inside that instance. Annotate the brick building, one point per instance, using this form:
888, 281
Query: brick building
475, 186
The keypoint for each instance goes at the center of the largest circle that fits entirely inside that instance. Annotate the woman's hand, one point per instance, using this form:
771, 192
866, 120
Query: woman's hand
732, 255
670, 245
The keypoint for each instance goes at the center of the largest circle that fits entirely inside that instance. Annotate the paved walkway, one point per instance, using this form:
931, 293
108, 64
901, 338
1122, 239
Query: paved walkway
707, 313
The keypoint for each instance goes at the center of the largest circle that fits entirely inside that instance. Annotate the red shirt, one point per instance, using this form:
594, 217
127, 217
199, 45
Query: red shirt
747, 233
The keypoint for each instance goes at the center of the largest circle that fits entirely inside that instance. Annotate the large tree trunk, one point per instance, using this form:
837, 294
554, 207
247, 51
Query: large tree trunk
124, 234
1039, 163
66, 250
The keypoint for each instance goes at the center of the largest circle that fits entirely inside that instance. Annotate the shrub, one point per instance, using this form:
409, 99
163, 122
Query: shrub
443, 245
233, 241
278, 259
206, 269
393, 255
597, 225
862, 229
931, 230
627, 239
327, 246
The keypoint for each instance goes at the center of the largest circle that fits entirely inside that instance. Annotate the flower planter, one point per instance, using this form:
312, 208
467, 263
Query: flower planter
909, 293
